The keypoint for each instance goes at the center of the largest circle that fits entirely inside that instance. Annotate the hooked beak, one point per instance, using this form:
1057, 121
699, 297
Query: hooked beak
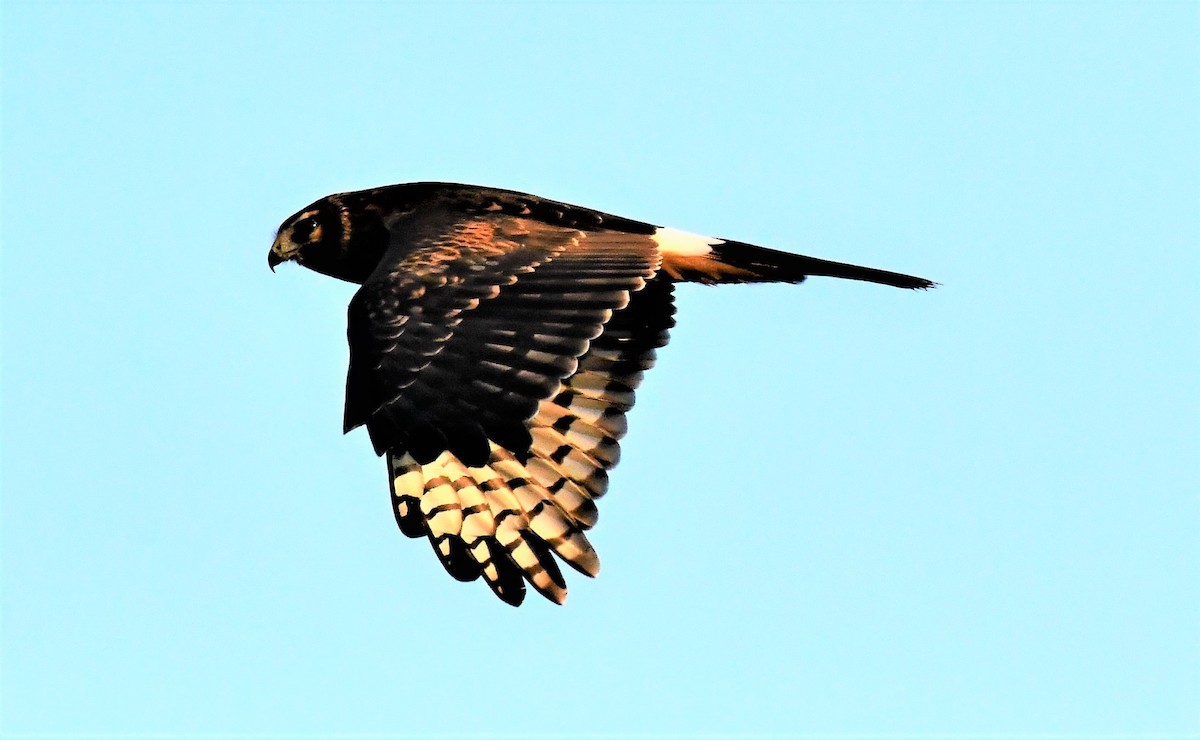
281, 251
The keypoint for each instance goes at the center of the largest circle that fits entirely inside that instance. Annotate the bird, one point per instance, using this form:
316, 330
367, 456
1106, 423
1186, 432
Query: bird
496, 342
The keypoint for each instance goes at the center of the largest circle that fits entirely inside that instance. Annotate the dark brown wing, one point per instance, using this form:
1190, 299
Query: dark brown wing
464, 327
503, 519
493, 358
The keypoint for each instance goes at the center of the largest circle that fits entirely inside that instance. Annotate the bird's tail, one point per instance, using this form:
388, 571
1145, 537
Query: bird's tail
695, 258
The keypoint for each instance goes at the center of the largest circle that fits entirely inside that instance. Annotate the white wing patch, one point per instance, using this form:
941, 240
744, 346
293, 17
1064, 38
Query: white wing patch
683, 243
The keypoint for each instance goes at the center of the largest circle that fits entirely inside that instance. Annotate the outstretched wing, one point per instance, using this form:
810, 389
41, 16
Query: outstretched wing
493, 359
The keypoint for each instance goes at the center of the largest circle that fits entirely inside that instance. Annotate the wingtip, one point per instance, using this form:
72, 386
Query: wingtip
512, 597
589, 564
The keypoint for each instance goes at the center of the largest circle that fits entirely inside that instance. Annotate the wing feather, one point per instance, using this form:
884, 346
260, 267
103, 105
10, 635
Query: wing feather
494, 363
522, 512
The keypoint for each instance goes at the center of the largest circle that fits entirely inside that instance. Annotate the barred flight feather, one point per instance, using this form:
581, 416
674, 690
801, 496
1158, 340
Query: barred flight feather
505, 520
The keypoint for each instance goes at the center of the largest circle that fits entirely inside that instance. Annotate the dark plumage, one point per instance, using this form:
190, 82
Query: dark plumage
495, 346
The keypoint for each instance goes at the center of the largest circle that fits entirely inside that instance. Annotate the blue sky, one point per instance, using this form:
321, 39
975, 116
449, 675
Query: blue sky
842, 509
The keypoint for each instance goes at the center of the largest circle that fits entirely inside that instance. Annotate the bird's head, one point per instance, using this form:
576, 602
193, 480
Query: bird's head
326, 236
307, 237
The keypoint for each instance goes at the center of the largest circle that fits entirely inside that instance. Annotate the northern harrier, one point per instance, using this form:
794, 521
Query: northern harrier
495, 345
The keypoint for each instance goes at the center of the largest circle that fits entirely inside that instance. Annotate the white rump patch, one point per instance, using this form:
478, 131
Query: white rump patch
683, 243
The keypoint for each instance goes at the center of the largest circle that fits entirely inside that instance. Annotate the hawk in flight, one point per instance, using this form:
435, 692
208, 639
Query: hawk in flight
495, 346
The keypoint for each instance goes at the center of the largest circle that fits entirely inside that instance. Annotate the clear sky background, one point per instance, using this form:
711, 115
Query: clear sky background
843, 508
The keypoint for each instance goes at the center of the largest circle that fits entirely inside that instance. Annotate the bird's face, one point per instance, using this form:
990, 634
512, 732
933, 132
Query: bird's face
332, 237
306, 238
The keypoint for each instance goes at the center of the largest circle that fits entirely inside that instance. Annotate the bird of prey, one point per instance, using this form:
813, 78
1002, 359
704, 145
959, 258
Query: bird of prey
495, 346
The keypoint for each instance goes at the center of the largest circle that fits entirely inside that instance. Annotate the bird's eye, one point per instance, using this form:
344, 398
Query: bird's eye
306, 230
